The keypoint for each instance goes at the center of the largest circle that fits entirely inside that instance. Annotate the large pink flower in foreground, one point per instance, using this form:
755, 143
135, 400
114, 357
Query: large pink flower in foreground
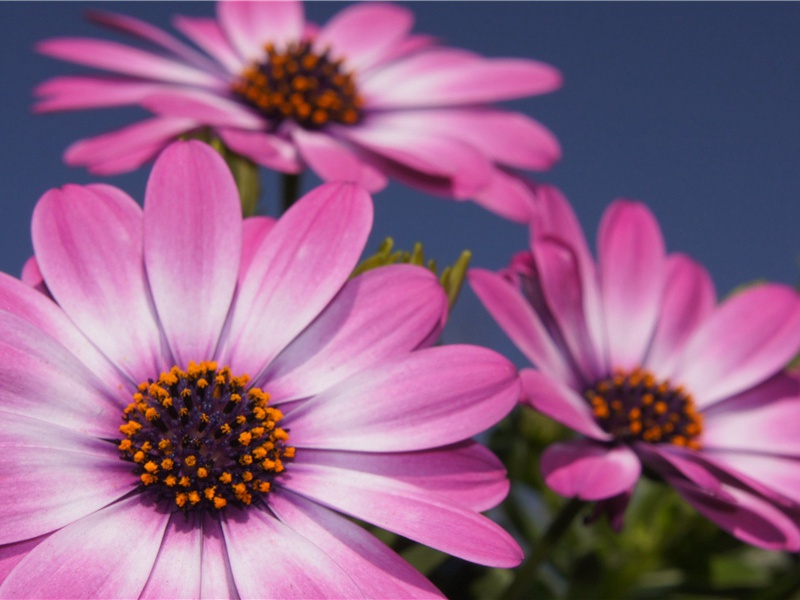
191, 414
634, 354
360, 98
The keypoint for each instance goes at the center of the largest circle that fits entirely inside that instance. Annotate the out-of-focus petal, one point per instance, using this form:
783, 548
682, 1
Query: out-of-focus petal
208, 35
268, 150
588, 470
73, 93
506, 195
202, 106
250, 25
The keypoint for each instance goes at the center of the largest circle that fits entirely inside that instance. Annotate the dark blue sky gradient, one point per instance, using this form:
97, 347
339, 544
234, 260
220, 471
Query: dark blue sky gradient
690, 107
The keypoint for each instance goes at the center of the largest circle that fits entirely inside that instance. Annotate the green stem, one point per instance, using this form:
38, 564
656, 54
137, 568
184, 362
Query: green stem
526, 572
291, 189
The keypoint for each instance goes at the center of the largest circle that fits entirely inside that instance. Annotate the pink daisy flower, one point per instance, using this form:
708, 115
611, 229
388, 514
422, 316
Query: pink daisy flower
634, 354
360, 98
204, 397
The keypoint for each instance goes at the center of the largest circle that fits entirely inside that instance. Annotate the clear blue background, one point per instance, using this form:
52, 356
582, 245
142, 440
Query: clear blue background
693, 108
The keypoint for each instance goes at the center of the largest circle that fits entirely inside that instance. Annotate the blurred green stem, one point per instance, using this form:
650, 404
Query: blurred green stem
527, 571
291, 189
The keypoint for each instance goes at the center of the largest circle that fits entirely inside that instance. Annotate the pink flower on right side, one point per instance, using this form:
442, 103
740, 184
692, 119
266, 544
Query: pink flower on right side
634, 353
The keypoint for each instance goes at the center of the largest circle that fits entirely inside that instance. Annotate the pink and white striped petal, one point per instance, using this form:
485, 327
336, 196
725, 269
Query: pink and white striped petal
178, 567
299, 268
588, 470
745, 340
631, 257
88, 241
251, 25
376, 569
383, 313
420, 515
426, 399
192, 246
99, 547
300, 569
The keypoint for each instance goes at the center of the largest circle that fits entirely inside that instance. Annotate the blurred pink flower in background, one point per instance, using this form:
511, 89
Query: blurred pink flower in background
634, 353
199, 399
359, 99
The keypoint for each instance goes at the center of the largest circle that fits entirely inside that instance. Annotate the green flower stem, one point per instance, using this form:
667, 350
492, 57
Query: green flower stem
527, 571
291, 189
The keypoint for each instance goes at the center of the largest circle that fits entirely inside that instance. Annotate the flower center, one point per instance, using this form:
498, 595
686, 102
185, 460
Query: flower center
300, 85
199, 440
635, 406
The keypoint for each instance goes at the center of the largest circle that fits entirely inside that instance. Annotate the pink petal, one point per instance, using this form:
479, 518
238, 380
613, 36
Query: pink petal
12, 554
72, 93
376, 569
193, 241
208, 35
745, 340
86, 558
559, 402
265, 149
299, 569
301, 265
31, 276
560, 278
128, 148
149, 33
333, 160
251, 25
426, 399
177, 570
780, 474
384, 313
53, 476
631, 257
689, 298
521, 324
411, 145
364, 34
670, 460
416, 514
450, 77
466, 473
507, 196
204, 107
254, 230
216, 576
749, 518
589, 470
127, 60
88, 241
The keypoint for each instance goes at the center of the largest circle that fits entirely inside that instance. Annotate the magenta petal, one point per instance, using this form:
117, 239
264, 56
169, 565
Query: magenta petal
589, 470
193, 240
127, 60
177, 570
521, 323
92, 558
301, 265
466, 473
299, 569
666, 458
265, 149
208, 35
40, 465
747, 339
333, 160
689, 297
749, 517
216, 577
32, 276
631, 257
777, 473
250, 25
376, 569
71, 93
560, 402
254, 230
417, 514
205, 107
426, 399
364, 34
383, 313
507, 196
12, 554
128, 148
88, 241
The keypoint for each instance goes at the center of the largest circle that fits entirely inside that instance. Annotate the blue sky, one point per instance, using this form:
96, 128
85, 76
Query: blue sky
689, 107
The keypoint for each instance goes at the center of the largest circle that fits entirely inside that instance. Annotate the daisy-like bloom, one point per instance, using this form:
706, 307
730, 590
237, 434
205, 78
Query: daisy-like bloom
201, 398
634, 354
360, 98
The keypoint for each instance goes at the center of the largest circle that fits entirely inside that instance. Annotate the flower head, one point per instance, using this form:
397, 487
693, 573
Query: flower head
196, 401
634, 354
360, 98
